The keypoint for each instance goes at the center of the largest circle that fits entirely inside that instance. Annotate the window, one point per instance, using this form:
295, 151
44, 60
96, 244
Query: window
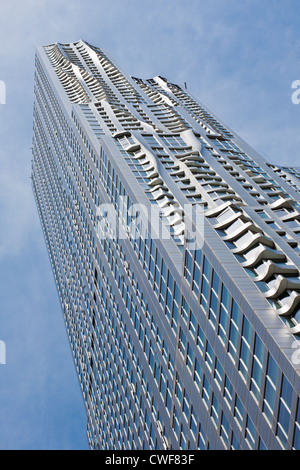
169, 300
200, 339
215, 410
182, 342
192, 323
250, 432
270, 388
190, 358
175, 424
184, 310
206, 391
205, 283
163, 283
292, 224
245, 348
262, 445
214, 302
224, 428
196, 273
197, 374
296, 444
194, 423
178, 388
239, 411
228, 392
188, 266
175, 307
218, 373
183, 440
186, 405
257, 367
209, 355
223, 320
273, 225
234, 330
235, 445
201, 440
168, 397
284, 413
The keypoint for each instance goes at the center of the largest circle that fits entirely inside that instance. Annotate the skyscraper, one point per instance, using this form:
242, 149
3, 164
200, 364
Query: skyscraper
175, 251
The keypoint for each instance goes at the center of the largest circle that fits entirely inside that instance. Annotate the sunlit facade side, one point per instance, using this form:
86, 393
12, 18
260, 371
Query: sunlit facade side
177, 345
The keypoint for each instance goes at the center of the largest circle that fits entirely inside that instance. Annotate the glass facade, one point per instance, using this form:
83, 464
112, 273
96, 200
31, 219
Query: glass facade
177, 345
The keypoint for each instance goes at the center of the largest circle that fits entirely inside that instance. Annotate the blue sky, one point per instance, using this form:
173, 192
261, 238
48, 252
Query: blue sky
238, 57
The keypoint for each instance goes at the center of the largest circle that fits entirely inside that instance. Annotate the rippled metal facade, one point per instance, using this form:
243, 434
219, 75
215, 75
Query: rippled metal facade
176, 345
